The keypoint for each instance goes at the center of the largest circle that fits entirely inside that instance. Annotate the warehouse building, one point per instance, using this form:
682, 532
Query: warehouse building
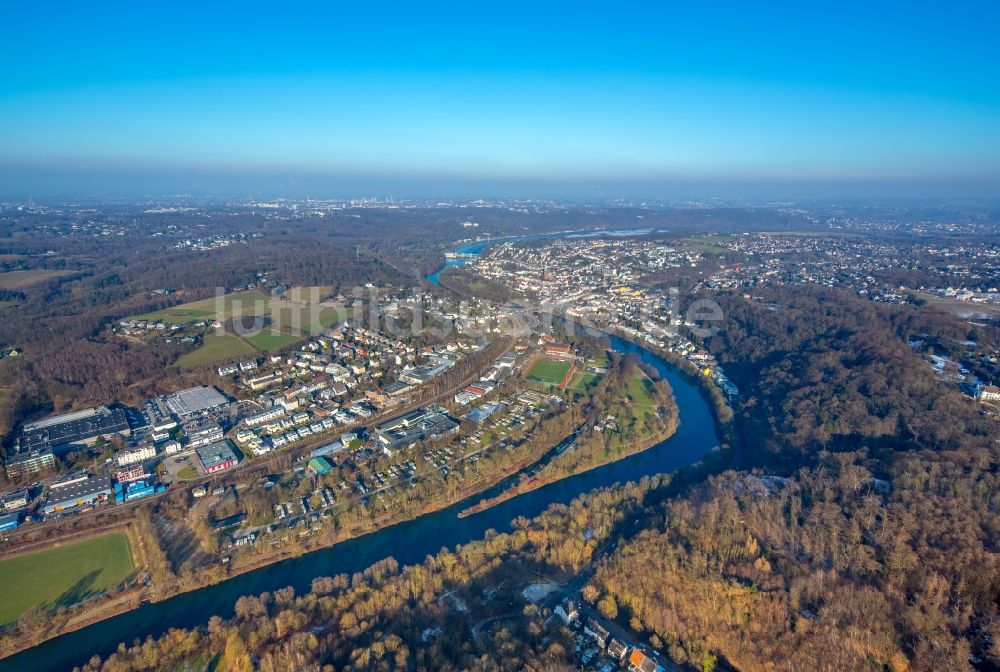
320, 466
194, 400
217, 456
419, 425
127, 492
79, 427
78, 491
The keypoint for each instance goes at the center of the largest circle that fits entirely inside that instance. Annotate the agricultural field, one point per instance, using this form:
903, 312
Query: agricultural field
267, 340
241, 303
17, 279
61, 576
549, 371
216, 348
300, 308
311, 319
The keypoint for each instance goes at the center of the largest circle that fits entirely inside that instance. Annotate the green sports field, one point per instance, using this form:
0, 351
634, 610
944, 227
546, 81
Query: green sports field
62, 576
549, 371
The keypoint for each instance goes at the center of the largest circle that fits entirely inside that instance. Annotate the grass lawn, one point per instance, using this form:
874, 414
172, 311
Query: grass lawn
14, 279
267, 340
215, 348
62, 576
582, 380
638, 390
549, 371
187, 473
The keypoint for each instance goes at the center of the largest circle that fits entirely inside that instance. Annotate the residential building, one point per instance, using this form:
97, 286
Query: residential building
30, 461
12, 501
135, 455
989, 393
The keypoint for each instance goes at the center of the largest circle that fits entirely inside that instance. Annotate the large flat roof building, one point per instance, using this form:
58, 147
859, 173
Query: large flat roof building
78, 492
418, 425
194, 400
79, 427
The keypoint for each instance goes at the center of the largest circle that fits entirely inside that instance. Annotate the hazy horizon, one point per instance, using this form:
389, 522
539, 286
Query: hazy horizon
630, 101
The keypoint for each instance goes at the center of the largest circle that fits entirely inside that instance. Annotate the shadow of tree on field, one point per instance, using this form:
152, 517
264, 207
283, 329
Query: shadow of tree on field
78, 592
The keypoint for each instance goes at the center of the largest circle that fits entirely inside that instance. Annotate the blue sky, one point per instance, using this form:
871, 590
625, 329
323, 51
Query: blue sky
609, 94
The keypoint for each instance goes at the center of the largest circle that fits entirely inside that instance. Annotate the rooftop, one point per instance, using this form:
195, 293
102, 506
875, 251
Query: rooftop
194, 399
215, 453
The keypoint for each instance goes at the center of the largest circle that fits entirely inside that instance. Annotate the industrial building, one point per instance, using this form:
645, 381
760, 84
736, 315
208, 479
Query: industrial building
76, 491
419, 425
194, 400
328, 449
217, 456
482, 412
202, 433
79, 427
9, 521
127, 492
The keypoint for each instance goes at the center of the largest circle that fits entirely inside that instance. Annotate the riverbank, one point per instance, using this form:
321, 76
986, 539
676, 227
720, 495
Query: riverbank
531, 483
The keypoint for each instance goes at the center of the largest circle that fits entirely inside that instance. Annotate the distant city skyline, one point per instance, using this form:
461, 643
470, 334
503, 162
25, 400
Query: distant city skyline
630, 100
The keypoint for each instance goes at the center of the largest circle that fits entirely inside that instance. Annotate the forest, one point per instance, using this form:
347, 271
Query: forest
866, 536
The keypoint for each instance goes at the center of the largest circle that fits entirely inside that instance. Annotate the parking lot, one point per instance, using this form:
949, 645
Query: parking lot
182, 467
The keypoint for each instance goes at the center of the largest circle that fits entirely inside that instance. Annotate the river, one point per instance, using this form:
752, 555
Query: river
408, 542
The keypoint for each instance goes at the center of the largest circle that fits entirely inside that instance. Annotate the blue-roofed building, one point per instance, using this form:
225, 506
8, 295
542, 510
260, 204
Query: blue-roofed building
10, 521
127, 492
